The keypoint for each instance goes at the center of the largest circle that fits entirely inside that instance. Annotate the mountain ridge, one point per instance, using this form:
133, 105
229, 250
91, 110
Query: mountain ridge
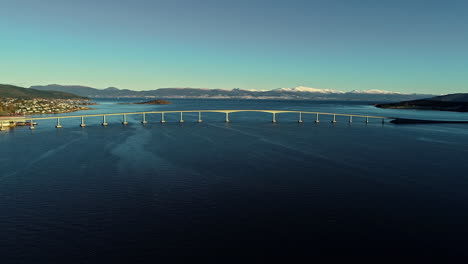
12, 91
300, 92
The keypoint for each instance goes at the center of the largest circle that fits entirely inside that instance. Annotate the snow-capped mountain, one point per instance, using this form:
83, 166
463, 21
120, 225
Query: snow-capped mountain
305, 89
373, 91
300, 92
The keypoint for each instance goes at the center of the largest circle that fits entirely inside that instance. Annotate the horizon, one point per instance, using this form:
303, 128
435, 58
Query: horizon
416, 47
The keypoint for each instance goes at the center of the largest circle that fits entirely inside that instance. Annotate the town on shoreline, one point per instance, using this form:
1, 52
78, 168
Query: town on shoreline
13, 111
37, 106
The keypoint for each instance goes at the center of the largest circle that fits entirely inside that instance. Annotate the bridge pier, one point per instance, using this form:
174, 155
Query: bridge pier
274, 118
104, 123
181, 119
58, 123
144, 119
124, 120
317, 118
350, 119
334, 119
367, 119
82, 122
300, 117
162, 118
383, 121
227, 117
199, 117
31, 127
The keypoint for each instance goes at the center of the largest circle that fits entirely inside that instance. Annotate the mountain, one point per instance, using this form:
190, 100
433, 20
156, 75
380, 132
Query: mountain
75, 89
451, 102
308, 90
12, 91
373, 91
458, 97
299, 93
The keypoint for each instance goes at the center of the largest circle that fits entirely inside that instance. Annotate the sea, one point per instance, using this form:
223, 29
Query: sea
249, 188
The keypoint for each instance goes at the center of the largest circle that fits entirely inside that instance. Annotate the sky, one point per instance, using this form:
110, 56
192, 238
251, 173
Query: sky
410, 46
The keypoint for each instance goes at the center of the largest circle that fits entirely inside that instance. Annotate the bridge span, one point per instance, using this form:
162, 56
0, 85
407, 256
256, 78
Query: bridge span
274, 113
143, 115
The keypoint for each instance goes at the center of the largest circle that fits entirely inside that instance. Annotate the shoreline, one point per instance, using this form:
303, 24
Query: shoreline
11, 121
422, 108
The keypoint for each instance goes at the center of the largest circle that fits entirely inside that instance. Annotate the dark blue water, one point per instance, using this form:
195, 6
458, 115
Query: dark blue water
145, 193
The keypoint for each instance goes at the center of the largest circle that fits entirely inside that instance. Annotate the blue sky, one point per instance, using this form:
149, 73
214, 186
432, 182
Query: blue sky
409, 46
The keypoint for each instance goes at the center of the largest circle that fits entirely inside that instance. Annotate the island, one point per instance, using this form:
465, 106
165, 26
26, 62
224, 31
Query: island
451, 102
86, 103
155, 102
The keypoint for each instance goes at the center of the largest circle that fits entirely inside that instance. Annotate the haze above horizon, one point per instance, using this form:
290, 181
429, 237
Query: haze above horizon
410, 46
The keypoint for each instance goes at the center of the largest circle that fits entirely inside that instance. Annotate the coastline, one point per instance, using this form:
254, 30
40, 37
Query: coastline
11, 121
457, 108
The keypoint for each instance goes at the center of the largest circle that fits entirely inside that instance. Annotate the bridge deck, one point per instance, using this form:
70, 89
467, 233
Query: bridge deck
206, 111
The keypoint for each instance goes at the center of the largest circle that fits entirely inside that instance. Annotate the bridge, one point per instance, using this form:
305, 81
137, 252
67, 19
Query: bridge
274, 113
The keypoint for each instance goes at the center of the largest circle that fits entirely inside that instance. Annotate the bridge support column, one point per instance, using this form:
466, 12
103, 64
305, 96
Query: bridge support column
273, 120
181, 119
144, 119
227, 117
32, 125
124, 120
104, 123
383, 121
58, 123
367, 119
162, 118
334, 119
82, 122
300, 117
199, 117
350, 119
317, 118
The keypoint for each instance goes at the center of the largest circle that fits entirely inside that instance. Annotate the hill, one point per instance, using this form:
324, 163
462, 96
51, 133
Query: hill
12, 91
458, 97
299, 93
451, 102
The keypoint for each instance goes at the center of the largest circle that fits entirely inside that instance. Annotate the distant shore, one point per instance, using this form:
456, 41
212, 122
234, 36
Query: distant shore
427, 105
457, 102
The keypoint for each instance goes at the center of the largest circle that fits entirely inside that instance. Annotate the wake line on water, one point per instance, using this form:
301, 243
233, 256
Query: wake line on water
349, 165
433, 140
46, 155
263, 139
133, 156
